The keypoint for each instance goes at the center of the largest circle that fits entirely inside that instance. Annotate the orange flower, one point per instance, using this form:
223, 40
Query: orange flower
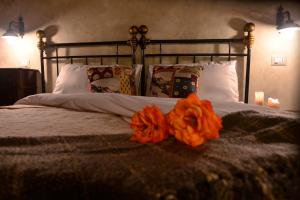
193, 121
149, 125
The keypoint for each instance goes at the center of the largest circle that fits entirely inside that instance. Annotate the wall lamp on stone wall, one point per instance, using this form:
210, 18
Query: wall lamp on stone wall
15, 29
284, 22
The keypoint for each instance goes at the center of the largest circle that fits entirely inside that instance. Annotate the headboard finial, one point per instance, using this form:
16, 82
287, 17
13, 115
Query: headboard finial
133, 41
249, 36
41, 43
143, 30
133, 30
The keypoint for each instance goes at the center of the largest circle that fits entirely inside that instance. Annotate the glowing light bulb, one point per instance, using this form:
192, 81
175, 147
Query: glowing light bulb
289, 32
12, 40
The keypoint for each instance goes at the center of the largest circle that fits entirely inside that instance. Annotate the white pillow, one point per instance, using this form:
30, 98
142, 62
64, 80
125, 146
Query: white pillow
72, 79
219, 81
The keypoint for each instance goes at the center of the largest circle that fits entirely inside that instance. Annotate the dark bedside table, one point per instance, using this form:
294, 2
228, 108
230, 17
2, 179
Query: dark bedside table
16, 83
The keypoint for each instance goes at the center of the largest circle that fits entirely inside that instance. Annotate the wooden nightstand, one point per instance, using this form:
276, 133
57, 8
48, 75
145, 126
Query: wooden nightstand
16, 83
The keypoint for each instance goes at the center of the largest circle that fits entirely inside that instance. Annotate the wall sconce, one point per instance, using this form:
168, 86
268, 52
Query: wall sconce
284, 21
15, 29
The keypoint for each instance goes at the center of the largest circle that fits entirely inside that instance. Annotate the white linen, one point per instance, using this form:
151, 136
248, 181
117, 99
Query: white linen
219, 81
119, 104
126, 106
72, 79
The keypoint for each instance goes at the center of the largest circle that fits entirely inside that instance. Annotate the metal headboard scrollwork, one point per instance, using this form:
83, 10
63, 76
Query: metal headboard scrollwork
44, 46
247, 41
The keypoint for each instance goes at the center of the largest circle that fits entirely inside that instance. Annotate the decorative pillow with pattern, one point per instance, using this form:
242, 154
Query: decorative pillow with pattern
115, 79
176, 81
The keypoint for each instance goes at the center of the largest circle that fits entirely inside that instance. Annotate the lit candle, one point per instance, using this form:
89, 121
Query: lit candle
259, 98
273, 103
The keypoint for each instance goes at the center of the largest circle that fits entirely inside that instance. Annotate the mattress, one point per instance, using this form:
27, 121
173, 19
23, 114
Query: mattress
78, 147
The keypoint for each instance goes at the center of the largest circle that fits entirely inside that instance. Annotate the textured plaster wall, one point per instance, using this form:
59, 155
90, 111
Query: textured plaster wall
96, 20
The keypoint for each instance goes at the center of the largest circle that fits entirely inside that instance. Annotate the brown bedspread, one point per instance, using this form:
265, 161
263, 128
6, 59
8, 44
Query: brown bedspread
255, 158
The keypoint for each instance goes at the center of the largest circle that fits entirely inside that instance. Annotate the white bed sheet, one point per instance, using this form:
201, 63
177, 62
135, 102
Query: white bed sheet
91, 114
126, 106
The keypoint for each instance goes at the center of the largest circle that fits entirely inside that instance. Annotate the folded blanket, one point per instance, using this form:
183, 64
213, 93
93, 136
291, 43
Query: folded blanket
255, 158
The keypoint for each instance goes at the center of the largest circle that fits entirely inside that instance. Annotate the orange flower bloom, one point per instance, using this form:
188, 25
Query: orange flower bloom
149, 125
193, 121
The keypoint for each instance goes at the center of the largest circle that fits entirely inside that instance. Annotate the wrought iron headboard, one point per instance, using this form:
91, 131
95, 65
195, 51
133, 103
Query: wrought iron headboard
247, 40
44, 46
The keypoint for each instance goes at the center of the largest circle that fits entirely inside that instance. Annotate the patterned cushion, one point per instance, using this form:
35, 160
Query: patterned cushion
176, 81
116, 79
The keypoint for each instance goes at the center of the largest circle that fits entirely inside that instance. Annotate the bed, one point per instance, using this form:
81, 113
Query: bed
77, 145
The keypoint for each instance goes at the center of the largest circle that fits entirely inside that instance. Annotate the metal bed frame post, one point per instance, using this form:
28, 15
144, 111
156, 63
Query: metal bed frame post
42, 47
248, 40
133, 42
143, 30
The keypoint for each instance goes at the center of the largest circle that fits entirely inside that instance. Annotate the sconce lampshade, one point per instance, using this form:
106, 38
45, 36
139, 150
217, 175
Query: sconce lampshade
284, 21
9, 33
288, 26
15, 29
